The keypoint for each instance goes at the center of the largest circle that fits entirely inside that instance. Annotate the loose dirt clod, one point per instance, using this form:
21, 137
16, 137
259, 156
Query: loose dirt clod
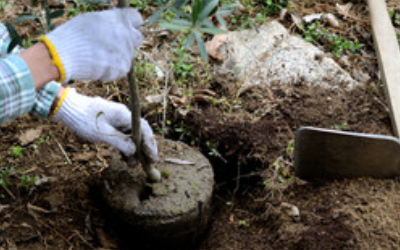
176, 210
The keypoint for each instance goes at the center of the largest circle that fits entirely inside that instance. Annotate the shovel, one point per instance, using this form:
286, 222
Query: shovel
324, 153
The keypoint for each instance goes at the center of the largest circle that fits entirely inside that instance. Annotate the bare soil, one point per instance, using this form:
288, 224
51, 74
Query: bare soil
250, 146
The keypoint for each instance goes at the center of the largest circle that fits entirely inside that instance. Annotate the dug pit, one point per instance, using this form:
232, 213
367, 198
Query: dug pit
174, 212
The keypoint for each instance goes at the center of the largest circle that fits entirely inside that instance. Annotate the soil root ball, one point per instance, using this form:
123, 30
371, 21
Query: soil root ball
173, 212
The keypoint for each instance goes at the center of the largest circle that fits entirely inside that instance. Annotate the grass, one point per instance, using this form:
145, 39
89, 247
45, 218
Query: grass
11, 179
337, 45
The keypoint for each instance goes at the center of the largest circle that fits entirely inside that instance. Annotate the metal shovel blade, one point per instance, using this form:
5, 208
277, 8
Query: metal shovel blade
324, 153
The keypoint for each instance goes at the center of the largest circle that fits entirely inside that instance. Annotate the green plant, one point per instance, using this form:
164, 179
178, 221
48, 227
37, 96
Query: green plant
144, 70
12, 178
290, 148
5, 177
273, 7
82, 6
343, 126
42, 16
140, 4
4, 5
194, 24
336, 44
243, 223
26, 182
245, 21
17, 151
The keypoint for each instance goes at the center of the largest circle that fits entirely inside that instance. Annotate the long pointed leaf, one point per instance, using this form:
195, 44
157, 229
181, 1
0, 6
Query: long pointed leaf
25, 18
56, 13
208, 9
189, 41
13, 43
221, 20
176, 27
196, 9
213, 31
179, 3
207, 22
181, 22
155, 18
11, 30
178, 12
201, 46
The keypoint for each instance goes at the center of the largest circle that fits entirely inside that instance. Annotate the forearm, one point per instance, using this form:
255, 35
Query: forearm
40, 65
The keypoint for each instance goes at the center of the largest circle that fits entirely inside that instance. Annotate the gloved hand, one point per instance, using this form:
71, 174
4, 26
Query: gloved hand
96, 45
99, 120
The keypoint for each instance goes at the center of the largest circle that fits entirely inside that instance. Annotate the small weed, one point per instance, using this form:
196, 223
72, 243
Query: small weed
245, 21
4, 5
17, 151
144, 70
140, 4
344, 126
243, 223
42, 16
40, 141
273, 7
166, 173
77, 7
336, 44
290, 148
5, 177
10, 178
26, 182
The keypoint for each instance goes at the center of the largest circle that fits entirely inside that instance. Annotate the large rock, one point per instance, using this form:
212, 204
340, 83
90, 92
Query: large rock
270, 54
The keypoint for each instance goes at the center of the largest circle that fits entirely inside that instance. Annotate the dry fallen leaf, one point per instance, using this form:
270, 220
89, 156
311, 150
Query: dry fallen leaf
344, 10
213, 46
30, 136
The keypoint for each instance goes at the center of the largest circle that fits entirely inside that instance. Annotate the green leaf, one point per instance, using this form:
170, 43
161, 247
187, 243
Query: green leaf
196, 9
189, 41
26, 17
39, 32
176, 27
179, 3
13, 44
48, 19
221, 20
155, 18
56, 13
201, 46
213, 31
208, 23
15, 37
182, 22
224, 12
44, 2
208, 9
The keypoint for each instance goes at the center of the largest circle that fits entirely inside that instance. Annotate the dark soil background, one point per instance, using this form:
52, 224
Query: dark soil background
250, 147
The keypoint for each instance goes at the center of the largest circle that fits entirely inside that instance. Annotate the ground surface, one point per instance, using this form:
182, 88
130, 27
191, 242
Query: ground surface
256, 195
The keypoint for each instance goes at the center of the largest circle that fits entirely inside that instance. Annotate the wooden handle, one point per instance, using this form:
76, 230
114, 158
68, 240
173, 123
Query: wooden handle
387, 48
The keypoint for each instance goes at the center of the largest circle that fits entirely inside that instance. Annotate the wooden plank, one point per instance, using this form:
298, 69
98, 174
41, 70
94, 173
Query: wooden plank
387, 49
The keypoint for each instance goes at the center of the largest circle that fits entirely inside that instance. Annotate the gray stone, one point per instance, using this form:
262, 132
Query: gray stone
270, 54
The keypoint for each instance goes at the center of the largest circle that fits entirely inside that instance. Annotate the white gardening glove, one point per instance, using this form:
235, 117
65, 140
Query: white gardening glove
99, 120
95, 46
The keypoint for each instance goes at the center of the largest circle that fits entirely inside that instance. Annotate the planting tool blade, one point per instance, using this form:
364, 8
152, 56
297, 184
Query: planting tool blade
324, 153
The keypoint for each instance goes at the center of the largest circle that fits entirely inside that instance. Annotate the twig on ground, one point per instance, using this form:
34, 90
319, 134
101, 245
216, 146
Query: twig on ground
63, 151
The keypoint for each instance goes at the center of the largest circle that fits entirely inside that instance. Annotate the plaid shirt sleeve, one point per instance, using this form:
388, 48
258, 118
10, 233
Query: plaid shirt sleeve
45, 97
17, 92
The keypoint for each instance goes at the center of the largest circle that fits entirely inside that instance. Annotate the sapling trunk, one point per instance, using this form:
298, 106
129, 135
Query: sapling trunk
152, 173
